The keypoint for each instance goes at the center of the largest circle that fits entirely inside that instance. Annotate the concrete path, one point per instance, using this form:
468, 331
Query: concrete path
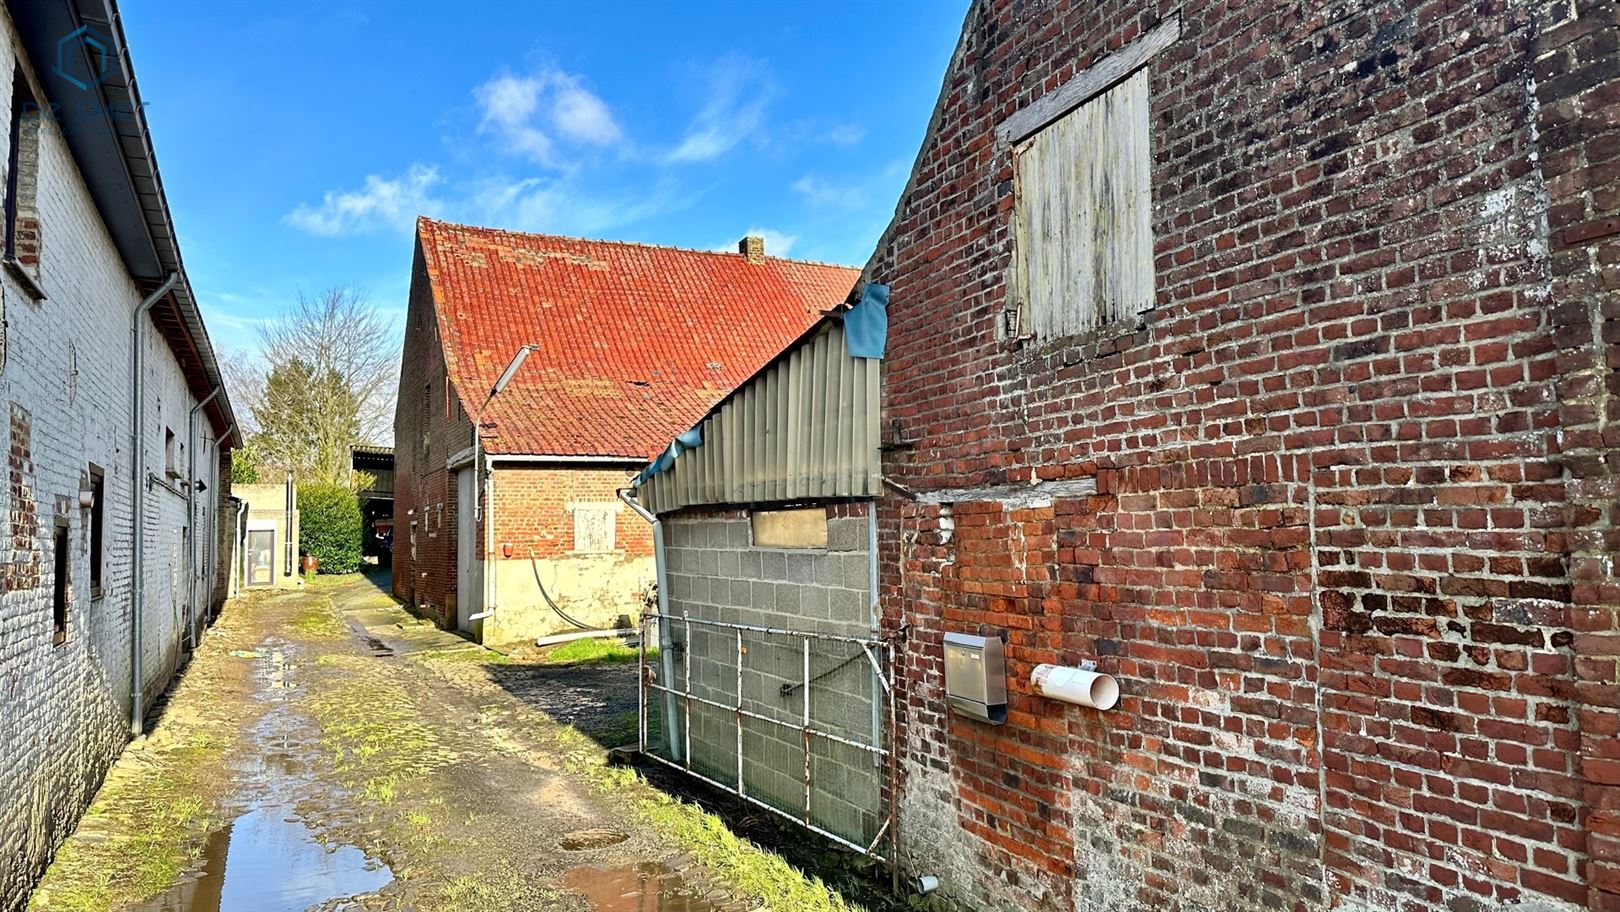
327, 750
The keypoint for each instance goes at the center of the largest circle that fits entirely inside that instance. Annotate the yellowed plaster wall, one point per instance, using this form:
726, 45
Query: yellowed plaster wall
283, 580
596, 589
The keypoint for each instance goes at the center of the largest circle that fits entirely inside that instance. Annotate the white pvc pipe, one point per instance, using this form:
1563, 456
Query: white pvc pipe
191, 517
556, 638
1080, 686
137, 471
665, 630
238, 547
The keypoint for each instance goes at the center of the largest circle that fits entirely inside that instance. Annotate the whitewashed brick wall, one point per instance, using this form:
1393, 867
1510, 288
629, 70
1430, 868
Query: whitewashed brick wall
64, 709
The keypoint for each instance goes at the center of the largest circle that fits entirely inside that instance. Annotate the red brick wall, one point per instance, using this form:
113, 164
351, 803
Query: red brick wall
1351, 546
1579, 121
425, 437
532, 509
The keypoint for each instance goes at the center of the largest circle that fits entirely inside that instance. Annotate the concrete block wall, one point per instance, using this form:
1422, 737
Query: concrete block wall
64, 386
715, 571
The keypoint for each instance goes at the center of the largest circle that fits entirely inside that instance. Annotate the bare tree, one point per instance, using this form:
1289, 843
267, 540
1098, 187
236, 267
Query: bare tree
326, 382
244, 377
343, 333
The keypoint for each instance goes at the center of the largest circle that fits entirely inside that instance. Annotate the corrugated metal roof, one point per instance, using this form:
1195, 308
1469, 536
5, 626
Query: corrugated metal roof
804, 428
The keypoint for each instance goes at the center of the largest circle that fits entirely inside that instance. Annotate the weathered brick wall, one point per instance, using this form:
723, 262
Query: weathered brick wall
534, 504
715, 572
533, 513
65, 387
223, 556
1348, 539
429, 428
1578, 108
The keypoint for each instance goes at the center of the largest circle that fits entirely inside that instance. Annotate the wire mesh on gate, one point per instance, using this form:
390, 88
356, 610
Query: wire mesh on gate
797, 722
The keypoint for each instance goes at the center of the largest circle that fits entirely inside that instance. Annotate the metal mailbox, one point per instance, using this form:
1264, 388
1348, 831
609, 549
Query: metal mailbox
976, 677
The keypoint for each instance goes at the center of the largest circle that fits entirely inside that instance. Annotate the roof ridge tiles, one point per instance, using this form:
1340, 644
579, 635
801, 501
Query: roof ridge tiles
621, 243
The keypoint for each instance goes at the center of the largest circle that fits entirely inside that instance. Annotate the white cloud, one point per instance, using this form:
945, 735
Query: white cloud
824, 193
845, 134
583, 116
561, 206
523, 112
381, 202
509, 103
777, 243
739, 89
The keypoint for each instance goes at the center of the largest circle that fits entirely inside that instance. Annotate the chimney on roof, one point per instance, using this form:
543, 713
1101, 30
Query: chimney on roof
752, 247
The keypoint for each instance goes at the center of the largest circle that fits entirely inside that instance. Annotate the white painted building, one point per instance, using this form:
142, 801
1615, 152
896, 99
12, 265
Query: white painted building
88, 240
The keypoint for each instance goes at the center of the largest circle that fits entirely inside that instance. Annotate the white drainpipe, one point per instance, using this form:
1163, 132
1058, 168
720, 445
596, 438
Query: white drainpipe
191, 517
665, 637
238, 551
137, 458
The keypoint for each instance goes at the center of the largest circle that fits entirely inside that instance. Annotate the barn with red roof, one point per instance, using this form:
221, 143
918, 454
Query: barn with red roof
575, 360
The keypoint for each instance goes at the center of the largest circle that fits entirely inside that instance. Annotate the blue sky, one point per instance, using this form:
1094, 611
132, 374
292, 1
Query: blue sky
298, 141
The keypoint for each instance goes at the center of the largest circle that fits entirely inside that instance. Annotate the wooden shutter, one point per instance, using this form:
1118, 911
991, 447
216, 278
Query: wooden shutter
1083, 229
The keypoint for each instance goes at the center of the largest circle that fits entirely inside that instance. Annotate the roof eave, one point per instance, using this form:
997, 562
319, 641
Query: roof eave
112, 148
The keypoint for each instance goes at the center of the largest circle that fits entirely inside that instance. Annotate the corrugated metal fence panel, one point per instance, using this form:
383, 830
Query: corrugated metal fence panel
807, 428
1084, 225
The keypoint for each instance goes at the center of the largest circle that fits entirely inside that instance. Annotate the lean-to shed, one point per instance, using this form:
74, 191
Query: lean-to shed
771, 679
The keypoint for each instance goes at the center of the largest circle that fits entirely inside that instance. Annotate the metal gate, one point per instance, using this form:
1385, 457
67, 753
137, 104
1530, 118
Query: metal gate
796, 722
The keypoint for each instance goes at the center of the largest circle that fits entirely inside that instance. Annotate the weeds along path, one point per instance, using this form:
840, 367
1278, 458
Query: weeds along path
331, 718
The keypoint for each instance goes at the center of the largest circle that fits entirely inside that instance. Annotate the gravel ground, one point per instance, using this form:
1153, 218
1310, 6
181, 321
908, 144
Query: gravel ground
333, 715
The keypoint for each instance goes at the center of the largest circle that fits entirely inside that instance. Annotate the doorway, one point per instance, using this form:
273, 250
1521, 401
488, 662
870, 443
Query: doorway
469, 572
261, 558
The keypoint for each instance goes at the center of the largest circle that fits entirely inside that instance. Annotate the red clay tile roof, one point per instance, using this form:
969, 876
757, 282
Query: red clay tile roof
636, 342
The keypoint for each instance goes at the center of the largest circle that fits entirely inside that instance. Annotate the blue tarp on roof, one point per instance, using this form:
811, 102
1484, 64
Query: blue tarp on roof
866, 325
688, 440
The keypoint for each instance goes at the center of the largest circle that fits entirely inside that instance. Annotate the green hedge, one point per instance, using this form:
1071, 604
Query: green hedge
330, 526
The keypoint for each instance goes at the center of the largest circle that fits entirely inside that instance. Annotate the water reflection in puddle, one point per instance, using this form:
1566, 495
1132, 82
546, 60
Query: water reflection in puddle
263, 862
645, 887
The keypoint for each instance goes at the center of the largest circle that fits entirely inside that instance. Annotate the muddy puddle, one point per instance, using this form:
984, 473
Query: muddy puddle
267, 859
264, 861
598, 838
645, 887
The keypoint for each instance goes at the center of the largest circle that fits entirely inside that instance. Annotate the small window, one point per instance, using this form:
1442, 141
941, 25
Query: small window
59, 583
593, 527
171, 458
1083, 217
22, 170
98, 491
413, 540
804, 528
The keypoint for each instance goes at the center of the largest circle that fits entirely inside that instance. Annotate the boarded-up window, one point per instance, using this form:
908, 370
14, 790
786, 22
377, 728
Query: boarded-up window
1083, 228
593, 528
804, 528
